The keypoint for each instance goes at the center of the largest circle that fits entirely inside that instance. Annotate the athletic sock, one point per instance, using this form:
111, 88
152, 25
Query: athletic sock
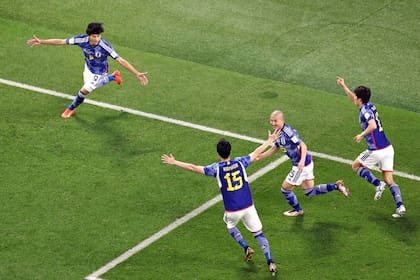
320, 189
396, 194
368, 176
265, 247
236, 234
291, 199
80, 97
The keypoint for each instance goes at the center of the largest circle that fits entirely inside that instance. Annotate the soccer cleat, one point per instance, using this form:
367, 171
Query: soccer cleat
379, 190
249, 253
341, 188
293, 213
272, 268
399, 212
67, 113
117, 76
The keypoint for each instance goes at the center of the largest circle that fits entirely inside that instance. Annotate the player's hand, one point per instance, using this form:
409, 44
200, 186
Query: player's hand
301, 165
143, 79
273, 136
168, 159
358, 138
340, 81
34, 41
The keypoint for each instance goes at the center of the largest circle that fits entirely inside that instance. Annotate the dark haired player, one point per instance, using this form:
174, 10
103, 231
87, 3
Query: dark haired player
379, 151
233, 183
96, 51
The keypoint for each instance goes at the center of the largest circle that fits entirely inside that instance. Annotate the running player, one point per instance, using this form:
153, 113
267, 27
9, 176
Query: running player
301, 174
234, 187
96, 51
379, 151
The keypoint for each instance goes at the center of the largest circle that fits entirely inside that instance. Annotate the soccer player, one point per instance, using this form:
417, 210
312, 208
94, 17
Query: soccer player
96, 51
379, 151
234, 187
301, 174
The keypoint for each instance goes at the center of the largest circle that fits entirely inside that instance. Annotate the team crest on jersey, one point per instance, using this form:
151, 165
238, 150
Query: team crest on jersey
98, 54
91, 57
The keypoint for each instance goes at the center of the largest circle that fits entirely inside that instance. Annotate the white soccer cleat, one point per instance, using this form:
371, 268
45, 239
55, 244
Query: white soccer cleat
399, 212
379, 190
293, 213
272, 268
341, 188
249, 253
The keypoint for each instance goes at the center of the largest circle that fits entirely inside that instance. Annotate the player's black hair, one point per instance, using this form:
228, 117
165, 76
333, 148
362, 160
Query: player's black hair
223, 148
363, 93
94, 28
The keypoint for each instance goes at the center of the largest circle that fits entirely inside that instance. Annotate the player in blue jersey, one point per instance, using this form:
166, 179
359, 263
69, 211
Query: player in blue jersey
379, 152
234, 187
301, 174
96, 51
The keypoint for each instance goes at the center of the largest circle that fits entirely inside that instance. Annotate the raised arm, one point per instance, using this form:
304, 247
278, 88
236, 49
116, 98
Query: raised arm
257, 153
170, 159
36, 41
141, 76
351, 95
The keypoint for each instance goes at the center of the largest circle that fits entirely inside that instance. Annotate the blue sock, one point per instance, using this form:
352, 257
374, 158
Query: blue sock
396, 194
265, 247
236, 234
291, 199
320, 189
77, 100
368, 176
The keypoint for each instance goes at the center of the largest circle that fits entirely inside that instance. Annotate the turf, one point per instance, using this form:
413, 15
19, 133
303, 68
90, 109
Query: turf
75, 194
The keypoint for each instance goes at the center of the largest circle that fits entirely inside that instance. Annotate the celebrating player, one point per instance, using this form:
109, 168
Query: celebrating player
96, 51
379, 151
302, 170
233, 183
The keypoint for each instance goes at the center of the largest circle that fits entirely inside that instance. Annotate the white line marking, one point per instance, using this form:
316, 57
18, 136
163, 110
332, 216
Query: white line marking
177, 223
182, 123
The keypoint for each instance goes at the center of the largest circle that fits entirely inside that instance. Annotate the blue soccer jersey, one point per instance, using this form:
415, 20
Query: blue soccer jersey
233, 182
289, 141
96, 57
377, 139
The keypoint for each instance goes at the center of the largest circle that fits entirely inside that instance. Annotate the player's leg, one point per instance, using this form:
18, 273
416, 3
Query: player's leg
253, 223
310, 190
362, 165
289, 195
80, 97
231, 219
387, 165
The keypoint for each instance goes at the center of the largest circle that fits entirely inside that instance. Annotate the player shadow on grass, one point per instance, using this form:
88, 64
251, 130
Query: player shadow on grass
403, 229
323, 237
118, 145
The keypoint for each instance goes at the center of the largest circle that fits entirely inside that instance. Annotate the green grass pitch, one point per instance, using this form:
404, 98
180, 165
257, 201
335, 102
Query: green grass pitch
76, 194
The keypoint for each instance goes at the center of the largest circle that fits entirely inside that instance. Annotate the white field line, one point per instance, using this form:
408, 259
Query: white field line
182, 123
95, 275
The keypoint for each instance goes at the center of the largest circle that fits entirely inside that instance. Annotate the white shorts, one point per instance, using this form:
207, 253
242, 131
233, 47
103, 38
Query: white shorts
248, 216
92, 81
384, 158
296, 177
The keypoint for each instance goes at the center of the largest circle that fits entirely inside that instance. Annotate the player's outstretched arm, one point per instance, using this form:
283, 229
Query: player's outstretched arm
140, 75
256, 154
351, 95
170, 159
36, 41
